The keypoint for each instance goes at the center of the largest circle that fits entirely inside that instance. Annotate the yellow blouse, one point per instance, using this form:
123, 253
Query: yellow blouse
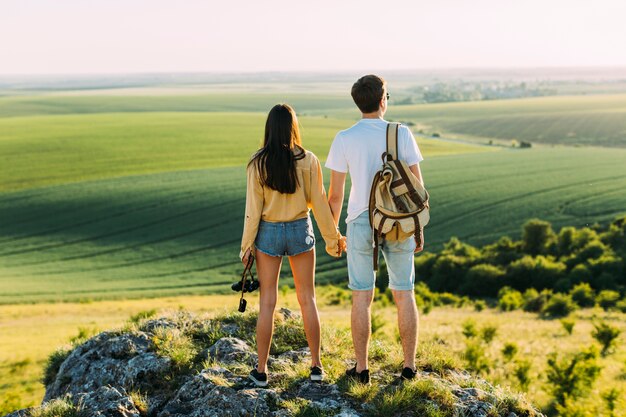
264, 203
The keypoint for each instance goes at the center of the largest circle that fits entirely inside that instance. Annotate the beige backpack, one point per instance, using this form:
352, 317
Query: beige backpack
398, 205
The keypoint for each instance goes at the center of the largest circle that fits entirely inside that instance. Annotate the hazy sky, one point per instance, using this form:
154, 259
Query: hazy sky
112, 36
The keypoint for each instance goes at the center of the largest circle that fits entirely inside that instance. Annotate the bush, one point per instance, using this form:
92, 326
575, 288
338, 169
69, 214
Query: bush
447, 272
573, 376
53, 365
580, 273
482, 280
560, 305
469, 328
606, 335
480, 305
475, 356
583, 295
568, 325
503, 252
509, 351
537, 237
621, 305
522, 373
534, 302
487, 333
509, 299
607, 299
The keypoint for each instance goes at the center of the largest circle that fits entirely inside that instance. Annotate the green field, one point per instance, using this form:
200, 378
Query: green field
140, 193
598, 120
179, 232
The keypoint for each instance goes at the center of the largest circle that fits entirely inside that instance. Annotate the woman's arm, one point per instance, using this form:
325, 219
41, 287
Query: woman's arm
254, 208
322, 212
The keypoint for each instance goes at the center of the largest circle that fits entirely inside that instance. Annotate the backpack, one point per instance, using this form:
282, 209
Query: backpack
398, 206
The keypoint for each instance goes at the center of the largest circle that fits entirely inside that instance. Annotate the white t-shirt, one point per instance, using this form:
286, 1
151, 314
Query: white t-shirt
358, 150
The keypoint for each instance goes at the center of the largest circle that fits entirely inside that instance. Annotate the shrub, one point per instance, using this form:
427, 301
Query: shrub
607, 299
378, 322
482, 280
606, 335
537, 272
579, 273
447, 272
503, 252
53, 364
509, 351
480, 305
537, 237
621, 305
509, 299
560, 305
522, 373
469, 328
487, 333
446, 298
583, 295
568, 325
142, 315
573, 376
611, 397
534, 302
475, 356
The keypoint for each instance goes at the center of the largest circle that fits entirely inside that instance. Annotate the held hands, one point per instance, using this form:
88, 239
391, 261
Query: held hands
342, 246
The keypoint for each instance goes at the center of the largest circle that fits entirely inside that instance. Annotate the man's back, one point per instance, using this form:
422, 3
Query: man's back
358, 150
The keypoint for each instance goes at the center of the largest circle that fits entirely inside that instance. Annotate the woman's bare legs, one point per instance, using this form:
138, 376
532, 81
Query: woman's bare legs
268, 268
303, 268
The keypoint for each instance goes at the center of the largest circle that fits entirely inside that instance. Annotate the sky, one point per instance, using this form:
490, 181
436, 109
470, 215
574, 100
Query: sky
138, 36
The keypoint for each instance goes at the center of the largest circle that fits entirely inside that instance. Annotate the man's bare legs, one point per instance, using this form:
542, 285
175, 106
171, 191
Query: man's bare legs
407, 324
361, 323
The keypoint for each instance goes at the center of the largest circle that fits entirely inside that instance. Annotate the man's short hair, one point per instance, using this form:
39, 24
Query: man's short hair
367, 92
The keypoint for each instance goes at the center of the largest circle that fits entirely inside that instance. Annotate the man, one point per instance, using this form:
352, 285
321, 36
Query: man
358, 151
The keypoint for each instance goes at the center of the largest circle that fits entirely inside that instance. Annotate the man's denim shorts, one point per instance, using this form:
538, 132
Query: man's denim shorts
398, 256
285, 238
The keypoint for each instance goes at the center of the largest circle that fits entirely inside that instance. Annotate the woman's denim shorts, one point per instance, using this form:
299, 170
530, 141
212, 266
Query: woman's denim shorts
285, 238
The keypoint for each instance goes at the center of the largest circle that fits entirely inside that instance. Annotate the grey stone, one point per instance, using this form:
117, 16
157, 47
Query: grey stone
231, 349
108, 359
106, 402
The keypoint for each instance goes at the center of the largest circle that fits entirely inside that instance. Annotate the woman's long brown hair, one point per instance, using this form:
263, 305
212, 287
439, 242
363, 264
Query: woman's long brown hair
282, 147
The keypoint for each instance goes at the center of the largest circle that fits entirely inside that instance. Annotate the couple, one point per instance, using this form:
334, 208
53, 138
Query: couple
284, 181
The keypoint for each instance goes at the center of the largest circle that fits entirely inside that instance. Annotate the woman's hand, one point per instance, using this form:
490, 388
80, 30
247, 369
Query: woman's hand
342, 246
246, 257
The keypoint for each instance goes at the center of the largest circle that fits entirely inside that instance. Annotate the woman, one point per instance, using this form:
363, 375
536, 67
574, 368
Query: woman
284, 181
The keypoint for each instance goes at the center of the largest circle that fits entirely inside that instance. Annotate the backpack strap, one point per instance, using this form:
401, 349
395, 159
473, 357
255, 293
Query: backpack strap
392, 140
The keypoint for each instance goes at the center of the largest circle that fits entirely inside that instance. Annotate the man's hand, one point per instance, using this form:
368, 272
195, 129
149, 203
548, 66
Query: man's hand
342, 246
421, 240
246, 257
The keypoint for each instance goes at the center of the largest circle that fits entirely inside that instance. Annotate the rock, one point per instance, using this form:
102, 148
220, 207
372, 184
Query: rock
109, 359
106, 402
99, 375
288, 314
20, 413
231, 349
202, 398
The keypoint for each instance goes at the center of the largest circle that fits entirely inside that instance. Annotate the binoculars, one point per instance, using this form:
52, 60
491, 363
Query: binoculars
250, 286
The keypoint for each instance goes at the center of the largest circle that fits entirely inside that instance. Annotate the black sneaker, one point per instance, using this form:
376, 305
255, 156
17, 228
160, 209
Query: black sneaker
362, 377
259, 379
408, 374
317, 374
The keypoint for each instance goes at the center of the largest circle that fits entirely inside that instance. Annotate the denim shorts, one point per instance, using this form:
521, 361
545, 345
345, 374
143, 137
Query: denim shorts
398, 256
285, 238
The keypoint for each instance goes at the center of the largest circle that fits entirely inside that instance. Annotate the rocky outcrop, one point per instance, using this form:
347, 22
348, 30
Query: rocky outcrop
185, 366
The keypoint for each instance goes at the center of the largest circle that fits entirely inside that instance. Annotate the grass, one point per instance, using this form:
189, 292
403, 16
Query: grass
595, 120
168, 233
441, 348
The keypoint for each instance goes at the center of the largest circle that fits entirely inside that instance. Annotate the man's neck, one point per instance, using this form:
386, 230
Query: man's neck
375, 115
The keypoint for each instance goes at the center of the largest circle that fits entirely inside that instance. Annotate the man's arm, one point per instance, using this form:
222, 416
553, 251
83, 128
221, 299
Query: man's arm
335, 193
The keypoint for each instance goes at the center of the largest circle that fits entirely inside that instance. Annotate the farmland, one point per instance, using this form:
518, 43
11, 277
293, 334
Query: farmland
178, 232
